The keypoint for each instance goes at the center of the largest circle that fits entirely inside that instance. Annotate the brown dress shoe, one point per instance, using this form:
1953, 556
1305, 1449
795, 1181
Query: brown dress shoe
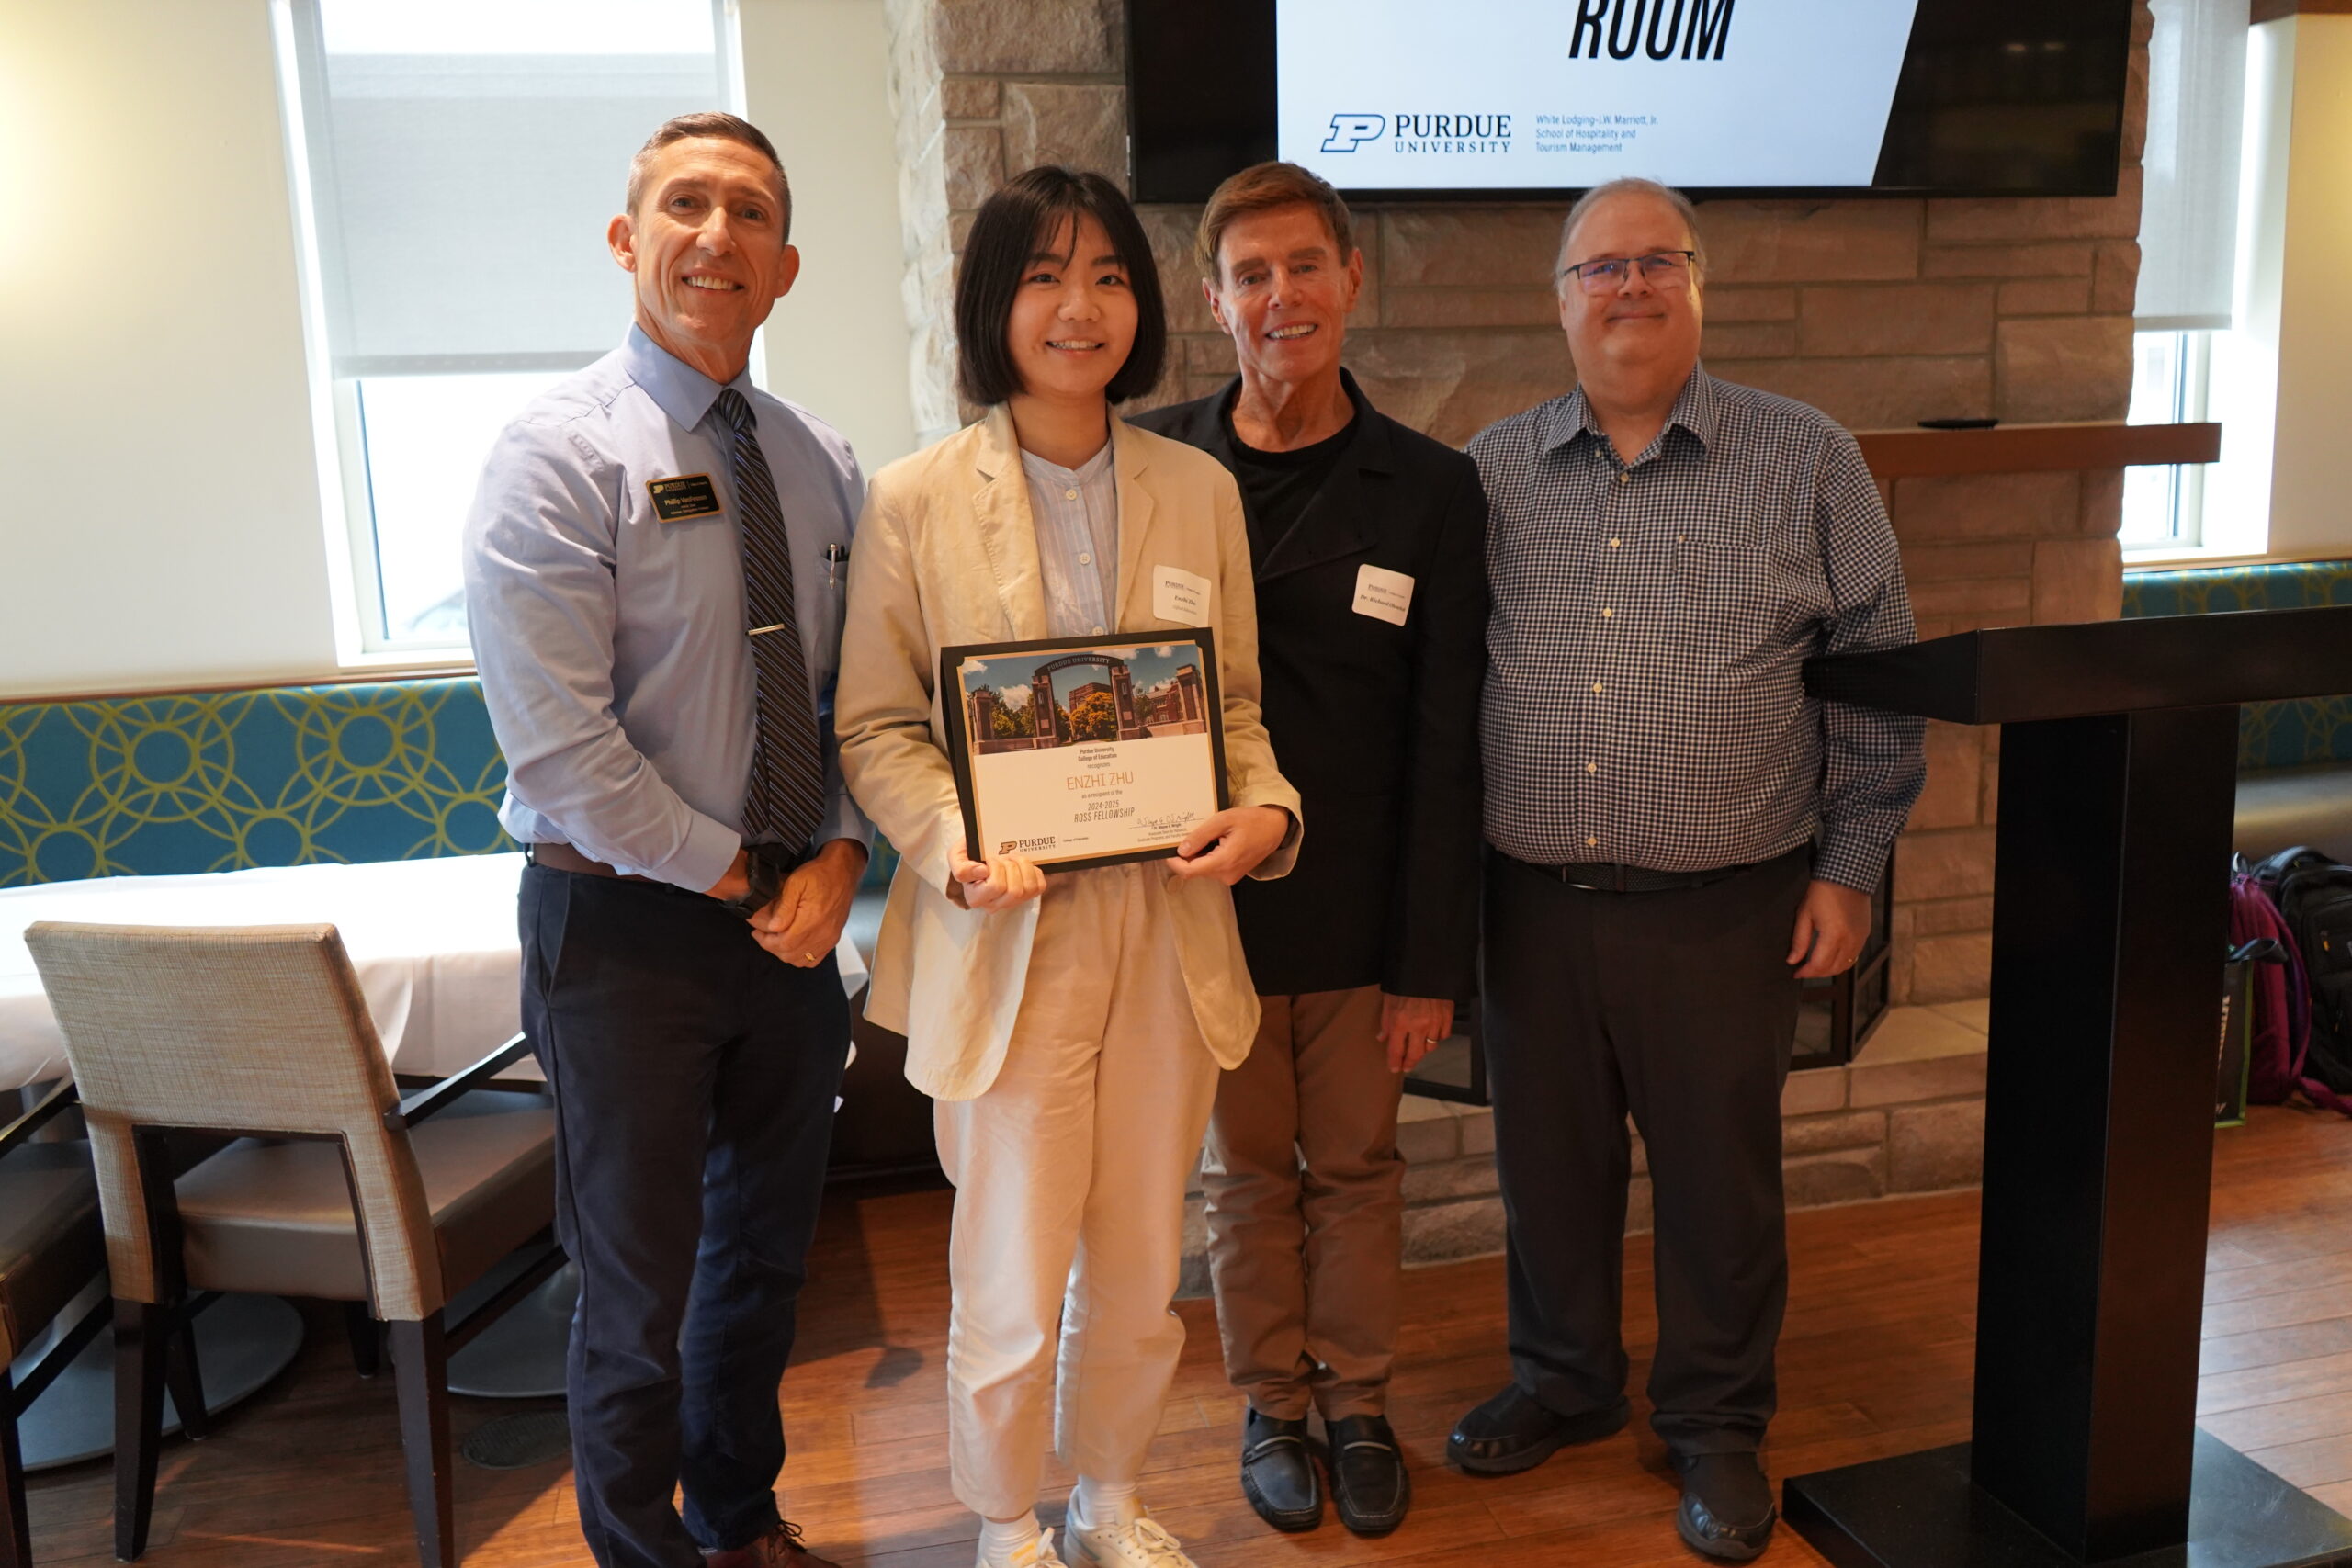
780, 1548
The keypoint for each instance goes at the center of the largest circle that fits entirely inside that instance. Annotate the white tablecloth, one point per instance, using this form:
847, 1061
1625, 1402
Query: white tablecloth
433, 941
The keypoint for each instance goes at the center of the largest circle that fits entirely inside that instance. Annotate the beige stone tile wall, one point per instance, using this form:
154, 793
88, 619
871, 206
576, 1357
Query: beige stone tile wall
1879, 312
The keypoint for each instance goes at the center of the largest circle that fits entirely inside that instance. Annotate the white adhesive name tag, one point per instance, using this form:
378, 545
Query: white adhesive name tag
1179, 596
1384, 595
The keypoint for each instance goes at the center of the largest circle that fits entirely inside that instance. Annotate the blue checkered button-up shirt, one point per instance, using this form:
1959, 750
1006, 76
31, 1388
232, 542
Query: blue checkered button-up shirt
1645, 705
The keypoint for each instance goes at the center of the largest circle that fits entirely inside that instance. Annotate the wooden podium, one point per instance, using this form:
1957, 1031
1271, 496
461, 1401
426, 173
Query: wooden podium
2109, 924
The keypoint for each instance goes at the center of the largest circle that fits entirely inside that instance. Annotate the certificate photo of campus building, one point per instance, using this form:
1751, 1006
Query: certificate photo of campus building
1073, 753
1026, 703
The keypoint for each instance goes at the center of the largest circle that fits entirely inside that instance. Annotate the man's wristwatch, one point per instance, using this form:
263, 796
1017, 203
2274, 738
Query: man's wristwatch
764, 870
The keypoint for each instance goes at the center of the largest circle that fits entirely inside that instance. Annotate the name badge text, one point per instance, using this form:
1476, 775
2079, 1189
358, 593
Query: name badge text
1383, 594
682, 499
1179, 595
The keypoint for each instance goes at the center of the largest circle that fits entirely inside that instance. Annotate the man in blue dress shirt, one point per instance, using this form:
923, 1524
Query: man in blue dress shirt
653, 581
1679, 835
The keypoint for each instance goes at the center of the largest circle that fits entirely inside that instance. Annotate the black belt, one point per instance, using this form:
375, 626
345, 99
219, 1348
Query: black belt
1606, 876
558, 856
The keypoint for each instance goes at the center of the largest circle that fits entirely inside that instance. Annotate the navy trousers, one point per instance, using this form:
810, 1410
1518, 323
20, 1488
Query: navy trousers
1680, 1009
694, 1078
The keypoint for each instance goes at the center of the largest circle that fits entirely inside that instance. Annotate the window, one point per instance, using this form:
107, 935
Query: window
455, 165
2164, 508
2187, 251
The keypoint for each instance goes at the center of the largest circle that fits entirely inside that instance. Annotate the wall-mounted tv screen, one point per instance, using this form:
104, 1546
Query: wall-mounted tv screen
1414, 100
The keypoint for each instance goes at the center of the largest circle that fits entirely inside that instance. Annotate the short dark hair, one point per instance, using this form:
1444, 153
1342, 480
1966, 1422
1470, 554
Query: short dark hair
1006, 233
1262, 187
718, 127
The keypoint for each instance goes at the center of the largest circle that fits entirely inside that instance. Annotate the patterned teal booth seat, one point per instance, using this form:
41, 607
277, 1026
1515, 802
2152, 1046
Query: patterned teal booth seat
220, 781
281, 776
2294, 758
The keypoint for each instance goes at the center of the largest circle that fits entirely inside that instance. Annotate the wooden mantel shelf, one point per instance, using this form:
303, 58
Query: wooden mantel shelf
2034, 449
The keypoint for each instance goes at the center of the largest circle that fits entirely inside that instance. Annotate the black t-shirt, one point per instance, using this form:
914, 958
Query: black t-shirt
1279, 485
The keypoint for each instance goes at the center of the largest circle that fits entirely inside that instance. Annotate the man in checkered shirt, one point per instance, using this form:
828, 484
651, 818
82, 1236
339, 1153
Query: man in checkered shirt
1678, 836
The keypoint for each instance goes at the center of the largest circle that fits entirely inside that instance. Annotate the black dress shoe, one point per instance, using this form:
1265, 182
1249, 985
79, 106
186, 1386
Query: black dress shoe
1728, 1508
1369, 1485
1510, 1432
1278, 1474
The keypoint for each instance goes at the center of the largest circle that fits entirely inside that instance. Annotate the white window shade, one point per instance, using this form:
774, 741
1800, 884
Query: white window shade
461, 198
456, 164
2188, 208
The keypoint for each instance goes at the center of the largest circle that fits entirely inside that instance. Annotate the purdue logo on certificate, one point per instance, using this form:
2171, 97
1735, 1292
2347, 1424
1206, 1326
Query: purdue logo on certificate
1078, 751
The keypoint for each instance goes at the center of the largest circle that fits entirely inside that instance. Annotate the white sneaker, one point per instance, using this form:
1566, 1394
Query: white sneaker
1038, 1553
1138, 1544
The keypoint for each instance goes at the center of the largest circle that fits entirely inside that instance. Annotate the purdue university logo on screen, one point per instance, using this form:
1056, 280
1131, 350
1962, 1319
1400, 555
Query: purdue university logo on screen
1350, 131
1422, 132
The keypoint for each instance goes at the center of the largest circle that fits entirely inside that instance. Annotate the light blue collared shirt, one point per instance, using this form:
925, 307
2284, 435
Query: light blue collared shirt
611, 644
1076, 512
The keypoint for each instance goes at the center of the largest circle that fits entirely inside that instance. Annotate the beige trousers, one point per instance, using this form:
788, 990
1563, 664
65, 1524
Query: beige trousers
1305, 1208
1069, 1179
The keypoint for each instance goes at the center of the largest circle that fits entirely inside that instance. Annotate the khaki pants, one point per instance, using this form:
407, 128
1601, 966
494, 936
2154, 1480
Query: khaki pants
1305, 1208
1069, 1179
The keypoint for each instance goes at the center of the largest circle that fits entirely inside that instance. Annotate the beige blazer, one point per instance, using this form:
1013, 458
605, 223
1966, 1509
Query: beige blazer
946, 553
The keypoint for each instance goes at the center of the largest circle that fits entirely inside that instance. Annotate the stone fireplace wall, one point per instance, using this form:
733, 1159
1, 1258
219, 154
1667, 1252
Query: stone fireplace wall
1879, 312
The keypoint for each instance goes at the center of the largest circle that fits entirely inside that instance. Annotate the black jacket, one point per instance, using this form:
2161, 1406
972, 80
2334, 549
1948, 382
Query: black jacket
1376, 724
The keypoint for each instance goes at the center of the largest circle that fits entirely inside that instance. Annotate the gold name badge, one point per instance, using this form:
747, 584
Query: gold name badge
682, 499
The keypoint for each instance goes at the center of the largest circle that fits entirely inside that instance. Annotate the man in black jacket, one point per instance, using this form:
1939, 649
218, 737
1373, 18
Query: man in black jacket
1369, 541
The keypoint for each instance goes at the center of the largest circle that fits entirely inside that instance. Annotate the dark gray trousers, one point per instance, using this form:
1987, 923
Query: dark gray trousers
694, 1078
1678, 1008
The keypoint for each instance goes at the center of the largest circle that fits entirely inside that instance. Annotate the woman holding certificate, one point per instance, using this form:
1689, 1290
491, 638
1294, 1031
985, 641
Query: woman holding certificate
1069, 1011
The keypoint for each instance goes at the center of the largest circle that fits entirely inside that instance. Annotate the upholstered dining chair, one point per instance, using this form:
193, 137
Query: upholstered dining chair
51, 1247
336, 1188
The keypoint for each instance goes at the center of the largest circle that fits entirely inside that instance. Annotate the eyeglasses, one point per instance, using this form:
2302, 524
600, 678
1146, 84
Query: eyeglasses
1660, 269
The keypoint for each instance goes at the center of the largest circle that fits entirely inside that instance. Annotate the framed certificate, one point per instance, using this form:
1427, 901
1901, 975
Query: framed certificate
1083, 752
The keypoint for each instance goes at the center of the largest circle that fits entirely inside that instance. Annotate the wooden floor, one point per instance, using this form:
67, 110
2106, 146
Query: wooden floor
1875, 1360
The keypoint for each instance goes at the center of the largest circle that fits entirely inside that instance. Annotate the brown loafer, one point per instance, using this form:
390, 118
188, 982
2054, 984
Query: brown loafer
780, 1548
1369, 1482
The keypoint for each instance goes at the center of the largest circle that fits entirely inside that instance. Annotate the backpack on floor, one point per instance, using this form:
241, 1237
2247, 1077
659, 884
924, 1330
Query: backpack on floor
2279, 1022
2313, 895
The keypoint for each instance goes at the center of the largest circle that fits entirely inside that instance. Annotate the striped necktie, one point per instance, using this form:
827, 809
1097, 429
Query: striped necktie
785, 798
